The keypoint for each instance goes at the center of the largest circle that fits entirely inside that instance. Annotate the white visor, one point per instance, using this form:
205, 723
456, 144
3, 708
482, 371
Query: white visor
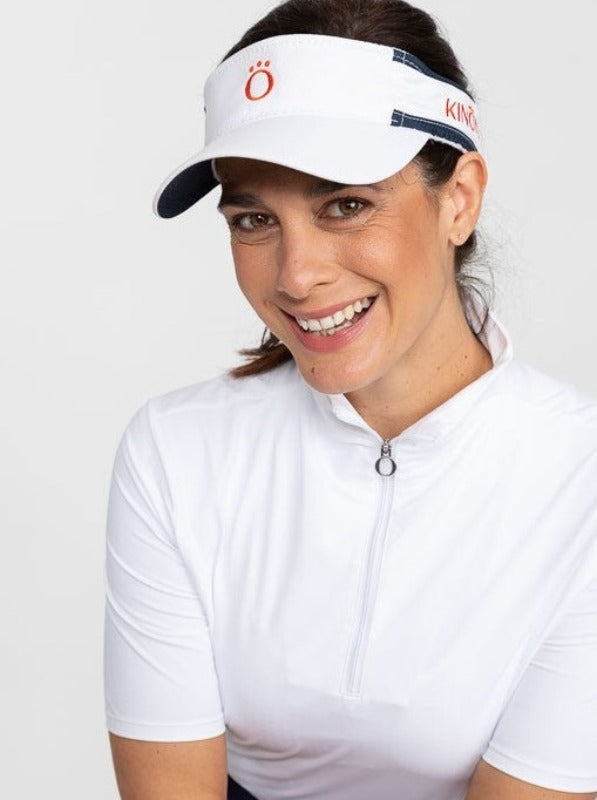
347, 111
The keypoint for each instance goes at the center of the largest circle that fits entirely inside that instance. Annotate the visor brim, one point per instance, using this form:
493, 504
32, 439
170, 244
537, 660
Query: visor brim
346, 151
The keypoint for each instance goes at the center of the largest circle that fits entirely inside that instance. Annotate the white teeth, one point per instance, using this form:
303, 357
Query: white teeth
329, 325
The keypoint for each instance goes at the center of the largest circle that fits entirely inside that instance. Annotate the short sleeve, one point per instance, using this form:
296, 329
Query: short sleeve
547, 734
159, 675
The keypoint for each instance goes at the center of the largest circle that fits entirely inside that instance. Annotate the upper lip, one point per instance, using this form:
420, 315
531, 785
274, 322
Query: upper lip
328, 311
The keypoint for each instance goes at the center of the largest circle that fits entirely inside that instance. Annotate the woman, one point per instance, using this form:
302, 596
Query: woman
365, 563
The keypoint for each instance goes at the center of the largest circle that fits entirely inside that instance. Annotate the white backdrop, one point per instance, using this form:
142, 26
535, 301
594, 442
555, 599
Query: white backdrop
104, 305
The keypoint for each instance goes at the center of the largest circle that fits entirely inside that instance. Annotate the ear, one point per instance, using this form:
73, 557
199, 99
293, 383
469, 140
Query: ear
465, 191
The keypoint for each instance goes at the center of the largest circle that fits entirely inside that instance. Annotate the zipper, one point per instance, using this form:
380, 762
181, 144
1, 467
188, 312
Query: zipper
385, 466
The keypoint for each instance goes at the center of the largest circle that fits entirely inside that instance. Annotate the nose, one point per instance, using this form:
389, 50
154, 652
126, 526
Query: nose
304, 261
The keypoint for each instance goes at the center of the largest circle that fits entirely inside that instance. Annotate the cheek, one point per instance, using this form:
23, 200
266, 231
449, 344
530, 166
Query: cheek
256, 278
250, 272
400, 252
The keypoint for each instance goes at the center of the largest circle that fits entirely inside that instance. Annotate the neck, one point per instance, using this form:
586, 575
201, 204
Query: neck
437, 367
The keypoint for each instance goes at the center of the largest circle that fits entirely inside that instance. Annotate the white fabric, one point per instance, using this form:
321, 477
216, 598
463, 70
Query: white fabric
359, 636
327, 77
313, 102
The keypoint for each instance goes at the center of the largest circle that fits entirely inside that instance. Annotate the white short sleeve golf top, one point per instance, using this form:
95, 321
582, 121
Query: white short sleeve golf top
359, 635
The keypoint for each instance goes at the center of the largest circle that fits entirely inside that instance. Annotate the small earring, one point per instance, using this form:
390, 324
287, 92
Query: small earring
460, 237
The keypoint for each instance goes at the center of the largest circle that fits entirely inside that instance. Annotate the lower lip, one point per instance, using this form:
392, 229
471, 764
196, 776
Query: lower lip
329, 344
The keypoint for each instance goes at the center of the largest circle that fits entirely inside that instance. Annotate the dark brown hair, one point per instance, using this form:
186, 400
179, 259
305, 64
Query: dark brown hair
394, 23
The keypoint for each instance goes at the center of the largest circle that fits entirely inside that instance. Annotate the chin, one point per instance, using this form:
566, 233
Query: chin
329, 381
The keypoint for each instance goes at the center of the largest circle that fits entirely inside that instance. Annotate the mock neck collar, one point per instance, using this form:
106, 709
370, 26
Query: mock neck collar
442, 419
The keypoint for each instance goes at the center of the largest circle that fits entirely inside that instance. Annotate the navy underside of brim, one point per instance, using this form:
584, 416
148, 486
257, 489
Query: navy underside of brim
186, 189
438, 130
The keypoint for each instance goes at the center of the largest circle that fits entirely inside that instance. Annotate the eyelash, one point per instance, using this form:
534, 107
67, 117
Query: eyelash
236, 221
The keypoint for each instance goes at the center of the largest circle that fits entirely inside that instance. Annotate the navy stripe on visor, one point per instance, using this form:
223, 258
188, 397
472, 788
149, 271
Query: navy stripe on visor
403, 57
438, 130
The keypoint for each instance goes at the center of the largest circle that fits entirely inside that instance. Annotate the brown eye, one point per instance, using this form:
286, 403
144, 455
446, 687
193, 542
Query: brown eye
345, 207
251, 222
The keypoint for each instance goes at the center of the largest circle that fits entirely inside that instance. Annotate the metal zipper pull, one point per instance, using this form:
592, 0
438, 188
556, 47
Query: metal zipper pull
385, 464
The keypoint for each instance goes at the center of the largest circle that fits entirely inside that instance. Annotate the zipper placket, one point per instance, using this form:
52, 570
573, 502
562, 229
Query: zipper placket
385, 466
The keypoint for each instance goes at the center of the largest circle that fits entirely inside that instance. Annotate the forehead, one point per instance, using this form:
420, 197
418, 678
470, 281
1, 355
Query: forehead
241, 172
232, 171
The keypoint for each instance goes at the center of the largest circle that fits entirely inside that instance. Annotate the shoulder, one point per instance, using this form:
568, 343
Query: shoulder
551, 450
214, 409
545, 405
188, 445
539, 451
551, 394
223, 395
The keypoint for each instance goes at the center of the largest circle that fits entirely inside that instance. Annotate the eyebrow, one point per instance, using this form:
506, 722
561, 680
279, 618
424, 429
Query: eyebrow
240, 200
328, 187
318, 189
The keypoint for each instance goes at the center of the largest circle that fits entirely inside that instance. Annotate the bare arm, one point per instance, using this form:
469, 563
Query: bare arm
170, 770
489, 783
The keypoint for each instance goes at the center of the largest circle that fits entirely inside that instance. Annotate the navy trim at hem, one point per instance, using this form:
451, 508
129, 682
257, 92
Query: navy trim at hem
237, 792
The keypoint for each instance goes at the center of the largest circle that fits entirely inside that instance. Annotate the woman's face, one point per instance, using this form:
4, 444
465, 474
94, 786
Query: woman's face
356, 281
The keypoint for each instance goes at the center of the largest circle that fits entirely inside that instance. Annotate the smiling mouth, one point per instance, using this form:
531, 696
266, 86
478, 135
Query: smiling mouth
346, 318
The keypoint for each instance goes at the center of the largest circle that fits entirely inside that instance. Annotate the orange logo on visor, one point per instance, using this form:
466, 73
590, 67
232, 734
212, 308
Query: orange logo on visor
461, 113
261, 81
